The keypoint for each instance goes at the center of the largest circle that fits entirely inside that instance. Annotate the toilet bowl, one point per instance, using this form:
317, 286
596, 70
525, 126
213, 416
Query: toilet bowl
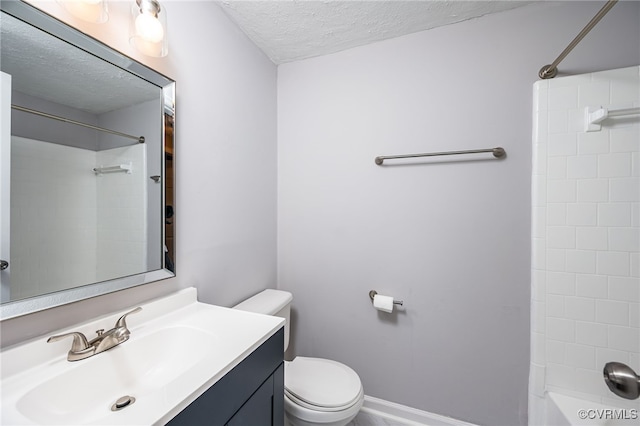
317, 391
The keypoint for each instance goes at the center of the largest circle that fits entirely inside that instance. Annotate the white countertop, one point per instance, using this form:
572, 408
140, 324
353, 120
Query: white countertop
178, 348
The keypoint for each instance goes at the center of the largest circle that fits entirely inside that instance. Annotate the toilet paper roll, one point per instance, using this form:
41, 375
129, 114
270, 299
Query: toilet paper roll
383, 303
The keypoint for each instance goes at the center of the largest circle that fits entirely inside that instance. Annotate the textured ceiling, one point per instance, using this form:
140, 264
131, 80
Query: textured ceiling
289, 30
48, 68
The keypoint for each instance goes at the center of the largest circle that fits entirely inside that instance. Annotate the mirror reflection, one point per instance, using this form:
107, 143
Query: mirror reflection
89, 143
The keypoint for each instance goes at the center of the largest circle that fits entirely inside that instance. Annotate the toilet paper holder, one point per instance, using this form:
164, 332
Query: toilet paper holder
372, 293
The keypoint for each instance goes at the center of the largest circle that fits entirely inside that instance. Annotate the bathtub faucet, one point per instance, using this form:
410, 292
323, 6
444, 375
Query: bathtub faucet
622, 380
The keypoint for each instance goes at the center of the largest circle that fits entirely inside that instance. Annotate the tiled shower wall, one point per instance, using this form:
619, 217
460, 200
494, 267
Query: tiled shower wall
77, 227
586, 235
122, 214
53, 217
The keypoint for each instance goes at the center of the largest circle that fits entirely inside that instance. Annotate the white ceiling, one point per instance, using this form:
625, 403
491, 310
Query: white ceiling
289, 30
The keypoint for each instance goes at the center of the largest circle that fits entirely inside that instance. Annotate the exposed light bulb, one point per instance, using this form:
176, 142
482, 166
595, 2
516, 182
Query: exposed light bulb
149, 28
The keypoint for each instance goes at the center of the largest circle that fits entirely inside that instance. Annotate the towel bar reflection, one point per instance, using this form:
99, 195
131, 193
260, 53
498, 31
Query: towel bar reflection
497, 152
113, 169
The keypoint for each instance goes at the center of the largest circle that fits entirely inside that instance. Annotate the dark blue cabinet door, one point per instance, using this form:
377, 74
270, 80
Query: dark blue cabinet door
253, 391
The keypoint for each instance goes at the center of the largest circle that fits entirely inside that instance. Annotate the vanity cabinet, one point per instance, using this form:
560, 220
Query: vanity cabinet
252, 393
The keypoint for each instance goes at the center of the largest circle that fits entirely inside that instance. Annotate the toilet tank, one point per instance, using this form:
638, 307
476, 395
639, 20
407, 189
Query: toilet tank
270, 302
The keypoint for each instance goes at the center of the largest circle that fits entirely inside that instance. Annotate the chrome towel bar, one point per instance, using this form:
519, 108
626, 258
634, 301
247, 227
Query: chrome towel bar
497, 152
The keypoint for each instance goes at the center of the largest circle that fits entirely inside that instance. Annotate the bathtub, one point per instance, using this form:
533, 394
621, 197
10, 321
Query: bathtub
562, 410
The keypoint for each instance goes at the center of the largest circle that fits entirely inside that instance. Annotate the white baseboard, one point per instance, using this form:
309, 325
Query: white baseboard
407, 415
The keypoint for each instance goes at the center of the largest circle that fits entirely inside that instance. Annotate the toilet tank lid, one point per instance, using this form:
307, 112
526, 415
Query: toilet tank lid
267, 302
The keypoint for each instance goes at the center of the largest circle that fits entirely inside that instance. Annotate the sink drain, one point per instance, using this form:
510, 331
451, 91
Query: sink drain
123, 402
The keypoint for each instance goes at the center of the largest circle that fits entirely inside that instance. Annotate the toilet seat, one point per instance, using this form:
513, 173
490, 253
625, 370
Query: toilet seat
321, 384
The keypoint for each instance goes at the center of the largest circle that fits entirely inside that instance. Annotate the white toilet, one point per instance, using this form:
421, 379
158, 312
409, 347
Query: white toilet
317, 391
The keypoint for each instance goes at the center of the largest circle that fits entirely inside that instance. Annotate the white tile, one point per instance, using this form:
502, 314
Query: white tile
582, 214
613, 263
624, 239
593, 142
591, 333
559, 237
556, 214
562, 98
560, 283
624, 91
560, 375
555, 260
539, 152
634, 315
538, 222
605, 355
537, 379
539, 190
560, 329
588, 285
596, 93
581, 356
591, 238
576, 120
625, 139
635, 215
624, 289
562, 144
635, 164
557, 167
539, 285
538, 254
614, 165
624, 338
581, 261
555, 351
614, 214
580, 308
634, 360
555, 306
585, 166
625, 189
561, 191
592, 190
558, 121
538, 316
538, 348
635, 264
589, 381
612, 312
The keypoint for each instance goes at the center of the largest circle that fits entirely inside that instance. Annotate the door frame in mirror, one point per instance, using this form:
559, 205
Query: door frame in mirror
39, 19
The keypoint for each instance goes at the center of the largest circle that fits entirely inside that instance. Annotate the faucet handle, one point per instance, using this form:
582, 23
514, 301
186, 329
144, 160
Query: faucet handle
80, 348
122, 323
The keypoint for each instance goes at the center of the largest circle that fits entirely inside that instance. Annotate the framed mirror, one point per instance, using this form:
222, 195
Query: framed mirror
86, 166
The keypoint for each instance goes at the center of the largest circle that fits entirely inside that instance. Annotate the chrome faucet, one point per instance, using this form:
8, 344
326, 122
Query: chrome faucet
105, 340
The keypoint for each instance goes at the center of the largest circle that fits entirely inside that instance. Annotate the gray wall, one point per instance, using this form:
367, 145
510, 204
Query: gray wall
451, 239
226, 164
32, 126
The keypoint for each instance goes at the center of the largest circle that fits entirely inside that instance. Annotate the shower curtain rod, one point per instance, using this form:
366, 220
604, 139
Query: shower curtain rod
140, 139
550, 71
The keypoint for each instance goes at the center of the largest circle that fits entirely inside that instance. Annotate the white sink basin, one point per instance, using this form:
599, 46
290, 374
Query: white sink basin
167, 363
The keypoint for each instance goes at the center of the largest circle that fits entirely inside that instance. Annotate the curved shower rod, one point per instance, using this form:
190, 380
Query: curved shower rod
551, 70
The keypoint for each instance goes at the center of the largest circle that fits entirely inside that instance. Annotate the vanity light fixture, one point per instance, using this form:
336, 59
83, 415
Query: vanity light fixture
88, 10
148, 28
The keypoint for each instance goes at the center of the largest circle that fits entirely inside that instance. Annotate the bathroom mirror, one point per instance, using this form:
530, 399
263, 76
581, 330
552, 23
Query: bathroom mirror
87, 203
